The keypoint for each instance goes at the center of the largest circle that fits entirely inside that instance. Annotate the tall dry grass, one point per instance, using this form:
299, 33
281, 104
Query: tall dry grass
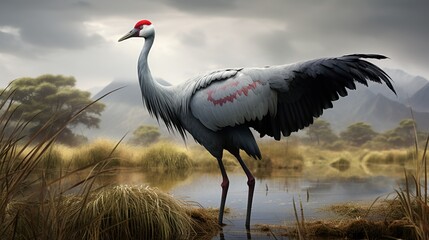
202, 160
413, 197
166, 156
35, 206
279, 154
100, 149
31, 205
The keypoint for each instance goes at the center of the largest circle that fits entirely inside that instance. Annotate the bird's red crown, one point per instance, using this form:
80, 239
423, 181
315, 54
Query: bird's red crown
141, 23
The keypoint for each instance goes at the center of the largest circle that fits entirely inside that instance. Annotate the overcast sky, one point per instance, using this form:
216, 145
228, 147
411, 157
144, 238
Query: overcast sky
79, 37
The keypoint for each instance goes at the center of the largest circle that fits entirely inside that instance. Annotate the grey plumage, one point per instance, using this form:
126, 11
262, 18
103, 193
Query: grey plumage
219, 108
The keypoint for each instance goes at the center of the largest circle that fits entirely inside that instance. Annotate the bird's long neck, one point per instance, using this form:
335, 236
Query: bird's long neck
145, 77
159, 99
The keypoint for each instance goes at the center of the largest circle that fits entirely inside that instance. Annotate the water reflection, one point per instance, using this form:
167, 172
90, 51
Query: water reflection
341, 164
167, 180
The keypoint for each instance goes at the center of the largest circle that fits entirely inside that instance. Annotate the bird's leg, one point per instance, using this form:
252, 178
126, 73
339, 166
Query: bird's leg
251, 184
225, 186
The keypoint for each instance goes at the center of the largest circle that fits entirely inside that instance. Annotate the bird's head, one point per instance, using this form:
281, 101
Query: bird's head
143, 28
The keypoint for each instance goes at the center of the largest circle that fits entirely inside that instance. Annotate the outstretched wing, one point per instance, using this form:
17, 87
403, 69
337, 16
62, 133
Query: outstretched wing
281, 99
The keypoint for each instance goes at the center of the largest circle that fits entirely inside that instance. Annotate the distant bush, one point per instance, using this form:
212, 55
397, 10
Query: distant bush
165, 155
144, 135
402, 136
358, 134
100, 152
321, 132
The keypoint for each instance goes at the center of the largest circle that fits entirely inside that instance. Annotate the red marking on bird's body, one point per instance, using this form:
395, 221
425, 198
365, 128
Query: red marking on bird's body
142, 22
231, 97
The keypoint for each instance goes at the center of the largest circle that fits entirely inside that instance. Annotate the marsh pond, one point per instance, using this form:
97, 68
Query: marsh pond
316, 188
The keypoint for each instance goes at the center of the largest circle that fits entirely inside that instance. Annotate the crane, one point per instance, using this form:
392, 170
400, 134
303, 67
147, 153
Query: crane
219, 108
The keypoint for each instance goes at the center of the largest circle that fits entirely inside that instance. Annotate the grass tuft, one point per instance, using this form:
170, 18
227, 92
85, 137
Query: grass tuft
133, 212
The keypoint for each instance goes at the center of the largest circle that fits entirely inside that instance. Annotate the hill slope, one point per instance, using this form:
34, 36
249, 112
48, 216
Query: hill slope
379, 111
420, 100
124, 111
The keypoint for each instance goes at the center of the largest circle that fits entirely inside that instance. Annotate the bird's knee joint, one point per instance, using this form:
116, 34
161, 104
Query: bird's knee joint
225, 183
251, 182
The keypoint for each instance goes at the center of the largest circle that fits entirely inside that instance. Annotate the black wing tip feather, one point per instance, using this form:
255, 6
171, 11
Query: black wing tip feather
361, 55
381, 74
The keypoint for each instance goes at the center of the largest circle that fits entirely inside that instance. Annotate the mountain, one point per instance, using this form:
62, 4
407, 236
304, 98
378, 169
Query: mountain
420, 100
124, 111
376, 109
406, 85
380, 107
375, 104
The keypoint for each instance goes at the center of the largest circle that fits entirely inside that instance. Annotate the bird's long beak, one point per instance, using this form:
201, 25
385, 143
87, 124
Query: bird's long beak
132, 33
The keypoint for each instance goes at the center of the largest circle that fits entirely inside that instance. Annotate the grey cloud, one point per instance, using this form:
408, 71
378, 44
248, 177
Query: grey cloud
12, 45
48, 25
9, 43
61, 34
82, 4
193, 38
204, 6
396, 28
392, 26
396, 25
276, 46
60, 24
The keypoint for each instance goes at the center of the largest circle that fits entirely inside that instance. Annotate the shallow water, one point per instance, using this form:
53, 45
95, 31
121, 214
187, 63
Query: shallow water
274, 193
